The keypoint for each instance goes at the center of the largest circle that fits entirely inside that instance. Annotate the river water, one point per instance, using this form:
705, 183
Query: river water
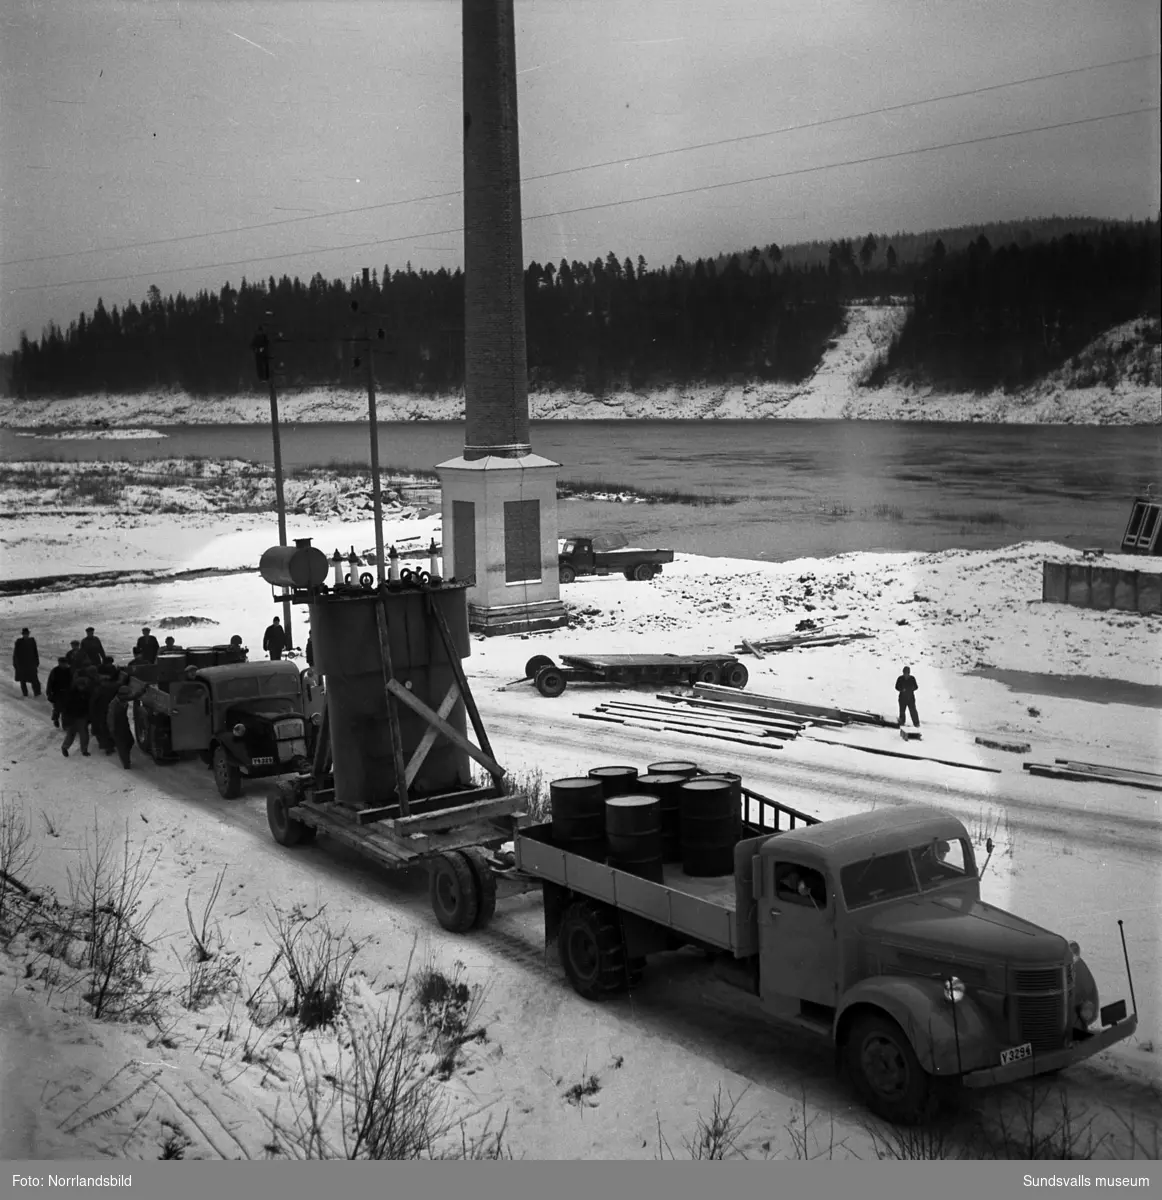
795, 488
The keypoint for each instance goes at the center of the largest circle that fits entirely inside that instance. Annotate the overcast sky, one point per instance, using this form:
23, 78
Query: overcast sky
144, 142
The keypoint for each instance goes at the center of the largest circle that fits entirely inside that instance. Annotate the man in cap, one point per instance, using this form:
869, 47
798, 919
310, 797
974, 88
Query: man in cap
146, 647
906, 685
75, 713
91, 647
274, 639
26, 663
118, 725
59, 680
101, 697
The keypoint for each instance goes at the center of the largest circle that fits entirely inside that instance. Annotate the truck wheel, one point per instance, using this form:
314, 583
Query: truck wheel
226, 775
591, 950
707, 673
628, 573
535, 664
643, 572
287, 830
141, 727
452, 891
485, 882
736, 675
566, 574
549, 682
886, 1072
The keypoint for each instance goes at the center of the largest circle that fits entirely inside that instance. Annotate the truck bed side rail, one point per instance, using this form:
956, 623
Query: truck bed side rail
767, 814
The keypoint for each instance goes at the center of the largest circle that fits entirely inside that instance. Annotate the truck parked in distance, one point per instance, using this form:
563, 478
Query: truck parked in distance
868, 931
244, 719
578, 557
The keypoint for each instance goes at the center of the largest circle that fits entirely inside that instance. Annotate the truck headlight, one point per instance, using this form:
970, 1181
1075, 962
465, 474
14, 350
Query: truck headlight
316, 719
1087, 1010
1075, 950
954, 990
239, 730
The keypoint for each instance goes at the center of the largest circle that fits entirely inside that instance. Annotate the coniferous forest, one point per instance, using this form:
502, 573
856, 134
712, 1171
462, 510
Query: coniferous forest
983, 315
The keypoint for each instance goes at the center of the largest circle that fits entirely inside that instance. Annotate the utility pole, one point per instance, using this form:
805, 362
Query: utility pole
261, 347
376, 498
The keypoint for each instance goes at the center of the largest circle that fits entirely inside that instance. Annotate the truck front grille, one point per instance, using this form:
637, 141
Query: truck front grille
288, 729
1047, 979
1041, 1007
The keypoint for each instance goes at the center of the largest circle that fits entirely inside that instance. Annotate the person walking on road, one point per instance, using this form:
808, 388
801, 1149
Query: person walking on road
59, 679
75, 714
118, 725
91, 648
274, 640
26, 663
101, 697
146, 647
906, 686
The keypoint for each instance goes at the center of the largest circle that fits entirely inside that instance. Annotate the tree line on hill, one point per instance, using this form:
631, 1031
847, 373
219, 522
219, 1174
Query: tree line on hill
981, 315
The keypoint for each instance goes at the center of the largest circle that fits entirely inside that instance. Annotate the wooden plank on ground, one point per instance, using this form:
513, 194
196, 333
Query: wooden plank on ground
1055, 772
947, 762
1106, 770
752, 648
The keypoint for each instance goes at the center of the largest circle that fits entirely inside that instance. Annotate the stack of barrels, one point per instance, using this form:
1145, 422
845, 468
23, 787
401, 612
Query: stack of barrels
673, 813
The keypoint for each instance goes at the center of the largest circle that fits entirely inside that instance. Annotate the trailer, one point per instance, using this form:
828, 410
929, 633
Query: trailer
629, 670
867, 932
390, 776
578, 556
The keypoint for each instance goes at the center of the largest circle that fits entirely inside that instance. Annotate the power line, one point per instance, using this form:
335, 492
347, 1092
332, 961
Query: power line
645, 157
706, 187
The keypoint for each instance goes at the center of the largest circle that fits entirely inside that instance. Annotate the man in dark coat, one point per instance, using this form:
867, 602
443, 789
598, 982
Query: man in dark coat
118, 725
906, 686
75, 714
91, 647
274, 640
147, 647
101, 697
74, 655
59, 679
26, 663
310, 652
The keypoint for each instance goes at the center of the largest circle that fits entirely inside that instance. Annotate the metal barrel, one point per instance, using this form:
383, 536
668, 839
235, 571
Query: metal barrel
668, 789
633, 835
709, 827
578, 816
676, 767
735, 781
616, 781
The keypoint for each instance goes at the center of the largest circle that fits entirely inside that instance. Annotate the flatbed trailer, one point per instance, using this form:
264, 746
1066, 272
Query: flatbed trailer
550, 679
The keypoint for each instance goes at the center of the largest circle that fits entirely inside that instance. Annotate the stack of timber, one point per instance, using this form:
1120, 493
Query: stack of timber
762, 646
816, 713
1065, 768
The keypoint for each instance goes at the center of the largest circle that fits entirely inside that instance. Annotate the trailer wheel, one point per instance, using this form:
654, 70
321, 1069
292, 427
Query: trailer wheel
566, 574
886, 1072
226, 775
707, 673
736, 675
452, 891
485, 882
549, 681
287, 830
592, 952
643, 572
535, 664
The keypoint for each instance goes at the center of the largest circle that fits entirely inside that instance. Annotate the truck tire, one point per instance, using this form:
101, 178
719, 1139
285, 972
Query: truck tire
535, 664
592, 952
452, 892
566, 574
549, 681
485, 882
886, 1072
286, 830
707, 673
736, 675
226, 775
643, 572
141, 726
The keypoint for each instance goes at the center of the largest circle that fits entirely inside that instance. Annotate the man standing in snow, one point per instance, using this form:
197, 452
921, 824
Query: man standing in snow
274, 640
59, 679
26, 663
75, 714
119, 728
147, 647
906, 686
91, 648
101, 697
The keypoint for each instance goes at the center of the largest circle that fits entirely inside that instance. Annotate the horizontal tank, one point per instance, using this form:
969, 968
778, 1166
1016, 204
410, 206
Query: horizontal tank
300, 566
345, 639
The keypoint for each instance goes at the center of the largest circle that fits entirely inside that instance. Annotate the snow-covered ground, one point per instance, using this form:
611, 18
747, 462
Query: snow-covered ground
834, 392
574, 1080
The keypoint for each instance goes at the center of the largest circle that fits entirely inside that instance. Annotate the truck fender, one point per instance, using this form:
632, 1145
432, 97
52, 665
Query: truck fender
946, 1043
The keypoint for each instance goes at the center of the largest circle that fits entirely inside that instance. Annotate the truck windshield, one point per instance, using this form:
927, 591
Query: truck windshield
906, 872
569, 546
253, 687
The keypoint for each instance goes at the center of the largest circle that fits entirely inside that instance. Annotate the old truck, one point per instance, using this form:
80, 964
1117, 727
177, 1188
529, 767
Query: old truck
243, 719
868, 931
578, 556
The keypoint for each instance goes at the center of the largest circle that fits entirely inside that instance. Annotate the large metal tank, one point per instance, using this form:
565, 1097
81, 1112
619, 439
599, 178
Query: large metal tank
347, 653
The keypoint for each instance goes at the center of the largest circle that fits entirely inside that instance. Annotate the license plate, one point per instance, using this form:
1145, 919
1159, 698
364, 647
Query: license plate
1016, 1053
269, 762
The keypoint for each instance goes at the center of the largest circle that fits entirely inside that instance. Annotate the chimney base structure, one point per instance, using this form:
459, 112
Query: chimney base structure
499, 518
